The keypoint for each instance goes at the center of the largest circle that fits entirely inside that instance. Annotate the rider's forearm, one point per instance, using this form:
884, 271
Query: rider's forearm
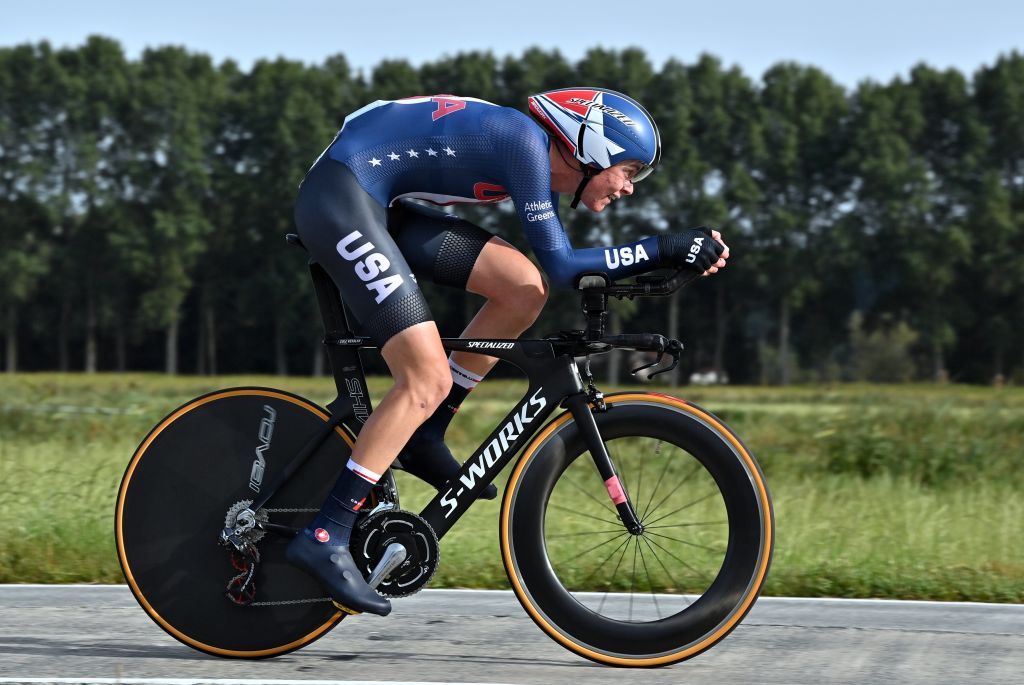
563, 266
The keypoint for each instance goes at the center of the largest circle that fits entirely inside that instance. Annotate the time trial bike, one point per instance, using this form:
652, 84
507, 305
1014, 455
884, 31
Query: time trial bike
636, 528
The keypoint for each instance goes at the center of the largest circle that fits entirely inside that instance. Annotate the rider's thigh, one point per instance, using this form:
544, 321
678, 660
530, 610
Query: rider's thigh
450, 251
504, 274
419, 363
440, 247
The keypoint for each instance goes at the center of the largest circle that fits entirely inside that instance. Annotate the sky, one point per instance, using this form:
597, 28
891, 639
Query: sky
851, 40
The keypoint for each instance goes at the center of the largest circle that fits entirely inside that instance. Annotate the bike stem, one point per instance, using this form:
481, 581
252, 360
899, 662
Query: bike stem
577, 404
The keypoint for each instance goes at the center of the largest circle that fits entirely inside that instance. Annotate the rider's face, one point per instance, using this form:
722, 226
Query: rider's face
609, 185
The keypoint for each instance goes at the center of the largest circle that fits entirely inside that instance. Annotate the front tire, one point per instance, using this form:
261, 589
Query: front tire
690, 577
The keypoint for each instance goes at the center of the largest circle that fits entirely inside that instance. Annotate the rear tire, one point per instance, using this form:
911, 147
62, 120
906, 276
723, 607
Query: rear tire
691, 576
176, 491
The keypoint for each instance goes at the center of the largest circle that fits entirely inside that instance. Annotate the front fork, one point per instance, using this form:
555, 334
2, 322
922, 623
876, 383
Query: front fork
579, 406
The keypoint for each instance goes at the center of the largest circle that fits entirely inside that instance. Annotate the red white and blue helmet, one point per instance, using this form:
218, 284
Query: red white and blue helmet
600, 127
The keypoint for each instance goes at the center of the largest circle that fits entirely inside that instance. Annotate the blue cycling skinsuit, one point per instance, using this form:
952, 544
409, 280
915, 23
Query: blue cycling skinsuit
355, 215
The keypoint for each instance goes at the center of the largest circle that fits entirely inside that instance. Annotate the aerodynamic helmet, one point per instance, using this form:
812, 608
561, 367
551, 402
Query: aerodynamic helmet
600, 127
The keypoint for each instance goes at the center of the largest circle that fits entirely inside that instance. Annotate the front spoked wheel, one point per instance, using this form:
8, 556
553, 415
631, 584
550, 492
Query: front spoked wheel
671, 591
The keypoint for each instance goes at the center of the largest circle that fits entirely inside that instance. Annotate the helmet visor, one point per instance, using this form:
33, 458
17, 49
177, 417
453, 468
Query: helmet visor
643, 172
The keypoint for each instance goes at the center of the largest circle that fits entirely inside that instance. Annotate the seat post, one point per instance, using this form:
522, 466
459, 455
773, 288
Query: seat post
329, 301
342, 344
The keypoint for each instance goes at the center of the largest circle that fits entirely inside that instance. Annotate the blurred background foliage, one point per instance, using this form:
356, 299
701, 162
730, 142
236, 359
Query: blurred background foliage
905, 491
876, 233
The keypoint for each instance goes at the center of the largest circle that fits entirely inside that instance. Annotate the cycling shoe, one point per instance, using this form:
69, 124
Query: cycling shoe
336, 570
432, 461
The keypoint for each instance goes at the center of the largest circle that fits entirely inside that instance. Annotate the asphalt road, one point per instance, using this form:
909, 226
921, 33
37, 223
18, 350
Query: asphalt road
86, 633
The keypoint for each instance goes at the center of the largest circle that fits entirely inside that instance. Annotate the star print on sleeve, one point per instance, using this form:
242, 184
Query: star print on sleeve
450, 152
393, 157
412, 153
431, 152
375, 162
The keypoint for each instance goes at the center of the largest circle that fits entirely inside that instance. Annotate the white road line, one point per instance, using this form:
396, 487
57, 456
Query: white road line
216, 681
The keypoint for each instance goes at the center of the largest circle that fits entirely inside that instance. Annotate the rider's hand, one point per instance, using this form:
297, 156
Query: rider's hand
700, 249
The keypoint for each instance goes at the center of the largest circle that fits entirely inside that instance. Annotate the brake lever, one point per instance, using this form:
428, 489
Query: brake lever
661, 355
675, 349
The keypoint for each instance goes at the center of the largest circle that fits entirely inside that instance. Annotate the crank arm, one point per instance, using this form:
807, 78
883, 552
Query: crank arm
393, 557
278, 529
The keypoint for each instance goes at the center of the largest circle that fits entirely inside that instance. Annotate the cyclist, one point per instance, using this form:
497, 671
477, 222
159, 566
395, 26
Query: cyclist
356, 217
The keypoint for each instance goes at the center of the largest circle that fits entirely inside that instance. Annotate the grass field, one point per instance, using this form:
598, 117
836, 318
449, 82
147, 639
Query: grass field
880, 491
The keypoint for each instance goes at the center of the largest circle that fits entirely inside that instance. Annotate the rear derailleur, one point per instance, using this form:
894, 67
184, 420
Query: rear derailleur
242, 530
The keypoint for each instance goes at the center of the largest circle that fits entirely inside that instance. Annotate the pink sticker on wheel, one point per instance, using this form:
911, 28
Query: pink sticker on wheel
615, 490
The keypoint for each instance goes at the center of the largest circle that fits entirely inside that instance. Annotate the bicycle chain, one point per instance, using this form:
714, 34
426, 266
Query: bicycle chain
291, 601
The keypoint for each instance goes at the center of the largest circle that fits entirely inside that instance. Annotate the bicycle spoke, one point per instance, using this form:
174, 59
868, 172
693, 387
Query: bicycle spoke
686, 506
640, 480
585, 532
632, 580
622, 544
696, 467
602, 503
692, 544
650, 585
657, 484
687, 565
668, 573
591, 549
615, 572
687, 525
580, 513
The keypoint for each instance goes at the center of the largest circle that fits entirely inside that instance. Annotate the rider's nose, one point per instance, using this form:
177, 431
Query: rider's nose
627, 189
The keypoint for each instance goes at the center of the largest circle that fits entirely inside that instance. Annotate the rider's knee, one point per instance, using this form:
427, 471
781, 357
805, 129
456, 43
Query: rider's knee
526, 299
427, 388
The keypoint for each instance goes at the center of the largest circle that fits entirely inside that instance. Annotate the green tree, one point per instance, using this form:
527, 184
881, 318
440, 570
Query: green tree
805, 130
283, 109
916, 150
472, 74
713, 143
171, 132
951, 144
94, 182
998, 215
535, 71
393, 80
24, 262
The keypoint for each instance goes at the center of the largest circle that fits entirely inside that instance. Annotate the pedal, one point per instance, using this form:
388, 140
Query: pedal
350, 612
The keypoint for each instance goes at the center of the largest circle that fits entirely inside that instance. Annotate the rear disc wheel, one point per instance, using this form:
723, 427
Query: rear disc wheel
191, 473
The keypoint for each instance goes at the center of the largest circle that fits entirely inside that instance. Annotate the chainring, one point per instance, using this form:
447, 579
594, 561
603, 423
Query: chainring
371, 538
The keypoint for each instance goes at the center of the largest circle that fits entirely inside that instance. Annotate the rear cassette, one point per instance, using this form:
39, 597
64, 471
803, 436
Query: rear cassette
371, 538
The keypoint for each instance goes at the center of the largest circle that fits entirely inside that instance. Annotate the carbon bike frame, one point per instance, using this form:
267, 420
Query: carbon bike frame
554, 381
